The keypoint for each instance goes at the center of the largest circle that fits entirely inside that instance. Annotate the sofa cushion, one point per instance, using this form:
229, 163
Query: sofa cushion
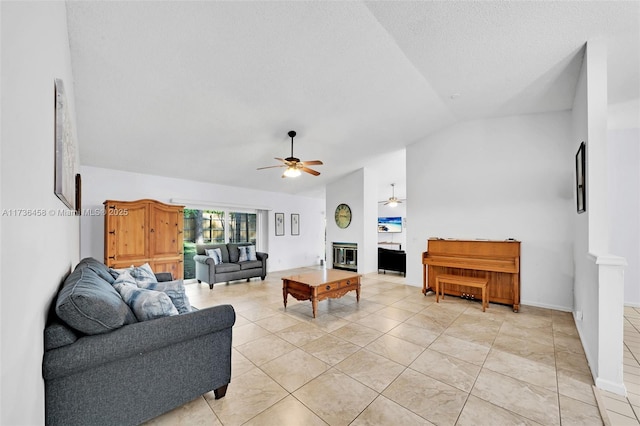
98, 267
251, 264
227, 267
215, 254
90, 304
145, 304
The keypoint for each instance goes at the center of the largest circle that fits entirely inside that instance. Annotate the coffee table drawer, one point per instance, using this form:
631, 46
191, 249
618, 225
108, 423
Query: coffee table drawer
332, 287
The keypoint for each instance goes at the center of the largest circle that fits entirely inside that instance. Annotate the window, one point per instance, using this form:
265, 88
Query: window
210, 227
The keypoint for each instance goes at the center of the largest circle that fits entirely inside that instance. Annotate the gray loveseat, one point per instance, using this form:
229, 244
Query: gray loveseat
121, 371
230, 268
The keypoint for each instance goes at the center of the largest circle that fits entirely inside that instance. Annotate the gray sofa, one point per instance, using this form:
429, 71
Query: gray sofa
124, 372
230, 269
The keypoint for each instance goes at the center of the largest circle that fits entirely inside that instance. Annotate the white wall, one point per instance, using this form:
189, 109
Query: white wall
358, 190
285, 252
499, 178
623, 122
624, 206
37, 251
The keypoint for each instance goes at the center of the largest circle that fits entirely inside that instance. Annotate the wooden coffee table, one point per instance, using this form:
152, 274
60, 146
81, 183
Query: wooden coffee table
320, 285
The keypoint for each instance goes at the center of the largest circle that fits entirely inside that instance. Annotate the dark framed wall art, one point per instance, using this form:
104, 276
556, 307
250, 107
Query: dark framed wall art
581, 186
295, 224
279, 224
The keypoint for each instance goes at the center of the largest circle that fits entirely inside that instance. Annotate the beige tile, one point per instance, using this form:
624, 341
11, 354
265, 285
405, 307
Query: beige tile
294, 369
620, 420
576, 385
265, 349
619, 406
447, 369
287, 412
477, 412
413, 334
395, 349
357, 334
239, 364
429, 398
378, 322
247, 396
300, 334
467, 351
520, 368
335, 397
246, 333
383, 411
277, 322
395, 313
330, 349
526, 349
370, 369
574, 412
525, 399
196, 412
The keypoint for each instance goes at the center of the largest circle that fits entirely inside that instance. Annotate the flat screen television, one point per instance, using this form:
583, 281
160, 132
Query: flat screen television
389, 224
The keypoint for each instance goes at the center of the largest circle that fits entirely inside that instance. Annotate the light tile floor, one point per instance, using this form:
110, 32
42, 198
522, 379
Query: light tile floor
396, 357
620, 410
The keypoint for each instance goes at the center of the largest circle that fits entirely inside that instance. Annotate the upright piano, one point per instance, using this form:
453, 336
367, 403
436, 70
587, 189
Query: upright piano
498, 261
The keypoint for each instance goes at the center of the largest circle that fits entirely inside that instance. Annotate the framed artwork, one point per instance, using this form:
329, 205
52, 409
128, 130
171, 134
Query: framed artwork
295, 224
65, 150
279, 224
78, 194
581, 186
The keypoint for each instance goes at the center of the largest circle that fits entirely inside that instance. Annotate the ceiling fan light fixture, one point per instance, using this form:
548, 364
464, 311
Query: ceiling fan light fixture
292, 171
393, 203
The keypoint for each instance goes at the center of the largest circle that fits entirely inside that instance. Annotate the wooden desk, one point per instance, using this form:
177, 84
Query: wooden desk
498, 261
320, 285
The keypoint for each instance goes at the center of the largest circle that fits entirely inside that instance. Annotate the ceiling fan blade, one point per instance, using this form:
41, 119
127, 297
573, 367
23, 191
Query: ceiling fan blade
312, 163
310, 171
270, 167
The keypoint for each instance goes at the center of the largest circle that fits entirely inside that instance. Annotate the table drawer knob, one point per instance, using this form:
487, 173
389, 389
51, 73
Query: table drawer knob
348, 282
328, 287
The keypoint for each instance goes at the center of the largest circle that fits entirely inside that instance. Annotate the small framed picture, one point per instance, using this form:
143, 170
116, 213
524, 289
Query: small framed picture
295, 224
279, 224
581, 186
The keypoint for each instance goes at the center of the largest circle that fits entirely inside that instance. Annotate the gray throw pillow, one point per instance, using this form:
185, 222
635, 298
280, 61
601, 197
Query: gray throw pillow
90, 304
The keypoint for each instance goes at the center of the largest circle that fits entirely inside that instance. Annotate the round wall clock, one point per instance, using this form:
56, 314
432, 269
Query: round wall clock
343, 216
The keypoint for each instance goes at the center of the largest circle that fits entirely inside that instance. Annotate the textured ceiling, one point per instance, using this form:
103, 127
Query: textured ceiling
208, 90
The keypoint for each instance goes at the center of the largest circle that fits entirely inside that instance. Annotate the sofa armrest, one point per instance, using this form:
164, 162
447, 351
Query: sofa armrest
205, 260
261, 256
135, 340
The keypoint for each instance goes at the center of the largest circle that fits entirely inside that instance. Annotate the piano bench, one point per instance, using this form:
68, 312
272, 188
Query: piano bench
476, 282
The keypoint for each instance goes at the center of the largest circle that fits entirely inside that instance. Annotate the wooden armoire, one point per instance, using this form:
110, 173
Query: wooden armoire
144, 231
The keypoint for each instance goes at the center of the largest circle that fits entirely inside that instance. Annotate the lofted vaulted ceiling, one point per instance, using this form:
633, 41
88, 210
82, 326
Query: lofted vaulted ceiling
207, 90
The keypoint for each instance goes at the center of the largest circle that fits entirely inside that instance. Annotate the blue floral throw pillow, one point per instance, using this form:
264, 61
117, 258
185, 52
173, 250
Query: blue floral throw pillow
175, 290
143, 274
145, 304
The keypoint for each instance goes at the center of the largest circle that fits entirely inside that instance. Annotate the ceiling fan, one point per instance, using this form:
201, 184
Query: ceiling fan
393, 200
295, 165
